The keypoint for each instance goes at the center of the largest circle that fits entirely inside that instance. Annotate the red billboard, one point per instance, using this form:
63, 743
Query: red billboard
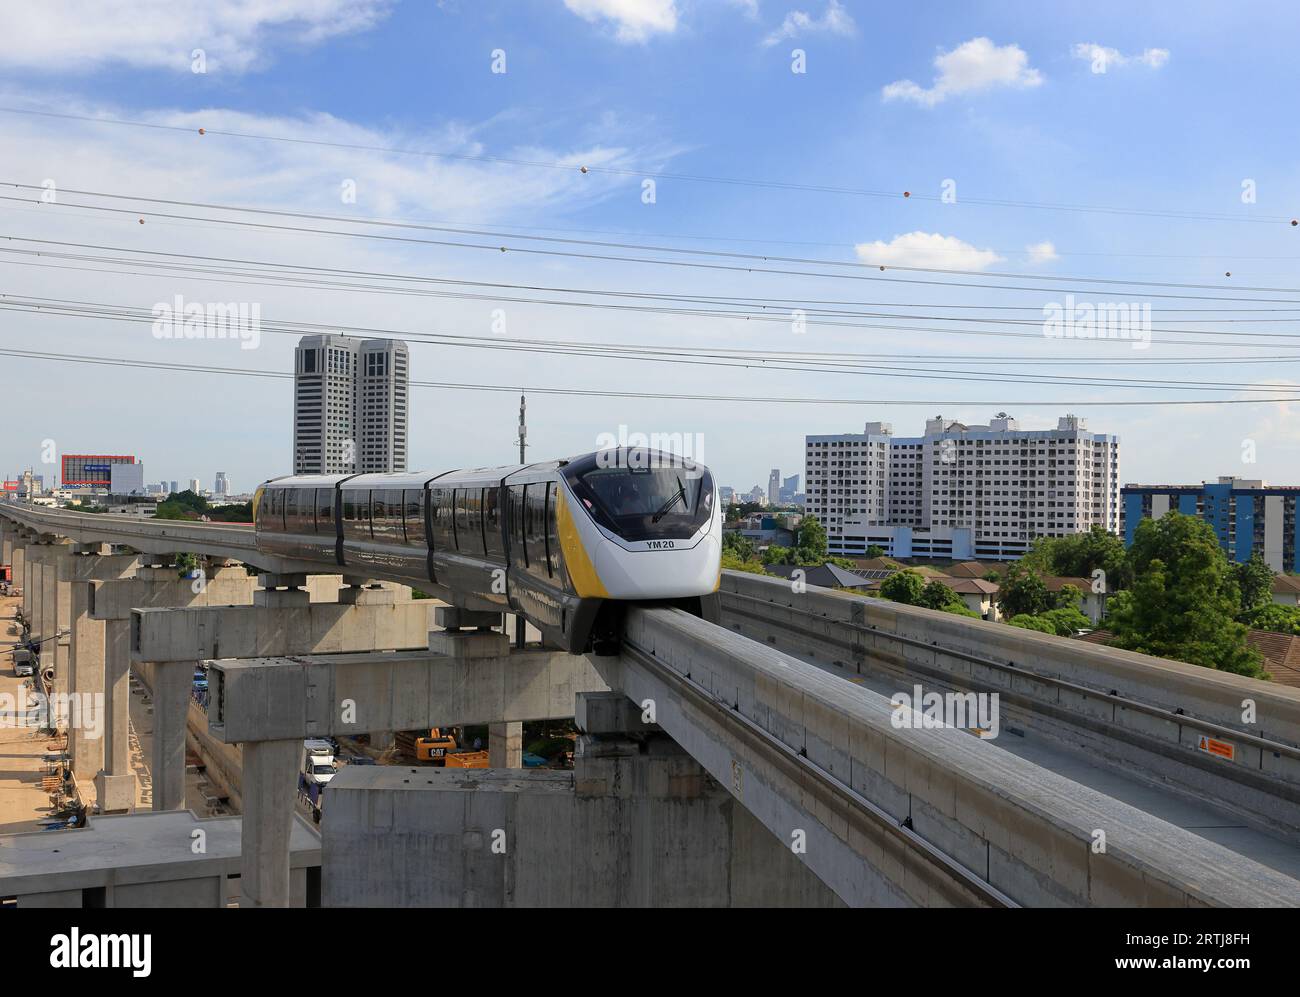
11, 486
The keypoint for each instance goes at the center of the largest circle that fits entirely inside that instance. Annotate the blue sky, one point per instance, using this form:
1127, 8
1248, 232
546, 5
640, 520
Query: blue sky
995, 96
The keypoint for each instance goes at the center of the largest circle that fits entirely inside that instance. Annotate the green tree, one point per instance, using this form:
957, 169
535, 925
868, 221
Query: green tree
810, 541
905, 586
739, 545
874, 551
730, 562
1022, 592
778, 555
182, 505
1276, 618
1027, 621
1184, 599
1255, 580
1066, 620
1078, 555
937, 595
1069, 597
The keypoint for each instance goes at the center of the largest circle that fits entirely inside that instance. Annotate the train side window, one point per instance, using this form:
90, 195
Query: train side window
444, 535
492, 545
552, 534
536, 525
299, 510
386, 515
413, 515
380, 527
356, 514
461, 524
469, 521
516, 525
277, 509
325, 511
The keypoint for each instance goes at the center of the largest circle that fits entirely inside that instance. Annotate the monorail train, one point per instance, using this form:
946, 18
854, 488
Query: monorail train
564, 543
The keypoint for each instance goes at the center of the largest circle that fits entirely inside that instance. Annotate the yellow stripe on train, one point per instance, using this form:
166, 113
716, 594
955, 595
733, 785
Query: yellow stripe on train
586, 582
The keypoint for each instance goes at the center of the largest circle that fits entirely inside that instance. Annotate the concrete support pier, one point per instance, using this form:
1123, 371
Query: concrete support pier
115, 782
506, 745
172, 681
268, 778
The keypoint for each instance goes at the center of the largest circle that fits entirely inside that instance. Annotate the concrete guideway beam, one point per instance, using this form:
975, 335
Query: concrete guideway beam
1173, 685
164, 587
1128, 711
200, 632
267, 699
778, 732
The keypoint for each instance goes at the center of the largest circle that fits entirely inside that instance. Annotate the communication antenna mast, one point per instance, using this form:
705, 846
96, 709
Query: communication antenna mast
523, 430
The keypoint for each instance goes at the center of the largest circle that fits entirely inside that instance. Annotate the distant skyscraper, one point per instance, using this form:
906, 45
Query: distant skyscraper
221, 486
174, 489
196, 486
774, 486
350, 405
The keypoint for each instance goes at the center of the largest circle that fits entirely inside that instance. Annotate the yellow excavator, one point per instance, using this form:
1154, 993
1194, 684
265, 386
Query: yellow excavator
440, 748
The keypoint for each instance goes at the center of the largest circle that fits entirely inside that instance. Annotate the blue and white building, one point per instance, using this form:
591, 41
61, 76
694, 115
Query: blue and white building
1247, 515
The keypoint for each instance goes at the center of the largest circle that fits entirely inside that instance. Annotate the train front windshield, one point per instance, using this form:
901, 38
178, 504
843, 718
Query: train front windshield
646, 503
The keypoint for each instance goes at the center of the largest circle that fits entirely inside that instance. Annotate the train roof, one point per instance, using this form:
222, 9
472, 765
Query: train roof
418, 479
307, 480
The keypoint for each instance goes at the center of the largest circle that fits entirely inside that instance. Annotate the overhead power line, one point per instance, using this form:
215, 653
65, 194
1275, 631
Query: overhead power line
693, 357
497, 234
204, 133
651, 396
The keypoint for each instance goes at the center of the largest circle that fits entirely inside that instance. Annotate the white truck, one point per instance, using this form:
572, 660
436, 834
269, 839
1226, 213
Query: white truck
317, 762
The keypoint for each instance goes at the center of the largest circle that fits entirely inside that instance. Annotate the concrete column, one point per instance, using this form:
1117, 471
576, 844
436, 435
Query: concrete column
270, 768
61, 645
19, 561
172, 681
86, 681
506, 745
31, 582
45, 624
115, 783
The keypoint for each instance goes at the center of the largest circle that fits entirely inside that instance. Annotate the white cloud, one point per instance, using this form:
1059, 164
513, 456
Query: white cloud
972, 67
836, 21
926, 249
637, 20
1102, 57
1041, 252
190, 441
70, 36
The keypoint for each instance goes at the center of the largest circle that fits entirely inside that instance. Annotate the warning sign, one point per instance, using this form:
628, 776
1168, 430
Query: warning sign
1223, 749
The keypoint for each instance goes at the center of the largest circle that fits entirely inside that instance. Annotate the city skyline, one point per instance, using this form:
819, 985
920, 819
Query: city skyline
866, 112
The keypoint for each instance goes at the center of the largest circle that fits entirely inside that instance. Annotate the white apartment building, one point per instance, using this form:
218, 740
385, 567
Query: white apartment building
961, 491
350, 405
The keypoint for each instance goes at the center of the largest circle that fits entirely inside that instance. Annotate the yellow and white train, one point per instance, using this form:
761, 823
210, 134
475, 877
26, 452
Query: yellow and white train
563, 543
